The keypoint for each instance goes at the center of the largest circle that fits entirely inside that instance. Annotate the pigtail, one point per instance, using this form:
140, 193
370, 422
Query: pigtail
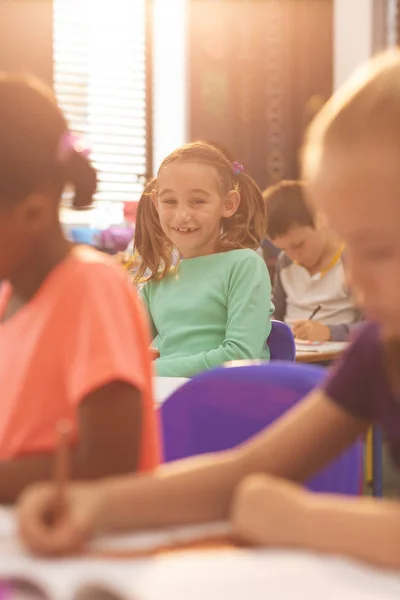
151, 243
78, 171
247, 227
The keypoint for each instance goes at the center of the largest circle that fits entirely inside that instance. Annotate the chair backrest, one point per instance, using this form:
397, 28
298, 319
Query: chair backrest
222, 408
281, 342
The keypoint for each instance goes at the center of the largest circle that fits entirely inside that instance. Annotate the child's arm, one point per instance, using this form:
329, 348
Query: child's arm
247, 326
272, 512
109, 423
199, 489
344, 331
315, 331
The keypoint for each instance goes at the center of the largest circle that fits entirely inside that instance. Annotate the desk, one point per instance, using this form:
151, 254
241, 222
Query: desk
212, 574
165, 386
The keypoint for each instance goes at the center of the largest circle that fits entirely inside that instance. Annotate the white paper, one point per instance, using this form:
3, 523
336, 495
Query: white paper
303, 346
200, 575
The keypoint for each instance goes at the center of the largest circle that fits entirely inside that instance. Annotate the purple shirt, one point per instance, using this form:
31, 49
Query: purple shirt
360, 384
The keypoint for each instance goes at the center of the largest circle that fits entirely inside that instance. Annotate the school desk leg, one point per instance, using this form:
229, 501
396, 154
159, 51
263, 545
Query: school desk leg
369, 476
377, 460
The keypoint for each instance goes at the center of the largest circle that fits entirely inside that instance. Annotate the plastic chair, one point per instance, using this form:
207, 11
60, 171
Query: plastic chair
222, 408
281, 342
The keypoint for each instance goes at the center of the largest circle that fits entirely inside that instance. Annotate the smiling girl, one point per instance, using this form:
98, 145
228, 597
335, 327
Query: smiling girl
215, 306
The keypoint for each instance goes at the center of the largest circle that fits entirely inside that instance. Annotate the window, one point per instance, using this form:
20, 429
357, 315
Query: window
100, 82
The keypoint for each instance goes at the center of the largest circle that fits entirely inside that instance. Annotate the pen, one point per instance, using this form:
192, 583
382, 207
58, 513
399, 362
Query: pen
314, 313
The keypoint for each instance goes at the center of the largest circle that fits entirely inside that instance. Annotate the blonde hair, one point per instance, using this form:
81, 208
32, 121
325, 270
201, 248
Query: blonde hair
245, 229
366, 107
362, 112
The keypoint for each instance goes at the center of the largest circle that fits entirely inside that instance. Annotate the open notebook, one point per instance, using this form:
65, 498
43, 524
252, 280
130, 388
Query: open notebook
229, 574
320, 347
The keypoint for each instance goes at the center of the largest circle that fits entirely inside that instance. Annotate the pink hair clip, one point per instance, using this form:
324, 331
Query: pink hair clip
237, 168
68, 144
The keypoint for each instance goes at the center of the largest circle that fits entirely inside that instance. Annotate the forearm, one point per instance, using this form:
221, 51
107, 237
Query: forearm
194, 490
18, 473
188, 366
364, 529
342, 332
200, 489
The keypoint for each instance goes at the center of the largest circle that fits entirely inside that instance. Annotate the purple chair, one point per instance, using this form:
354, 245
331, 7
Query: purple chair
281, 342
222, 408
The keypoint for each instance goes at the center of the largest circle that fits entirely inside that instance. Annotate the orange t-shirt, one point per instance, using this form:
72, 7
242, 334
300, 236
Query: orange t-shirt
84, 328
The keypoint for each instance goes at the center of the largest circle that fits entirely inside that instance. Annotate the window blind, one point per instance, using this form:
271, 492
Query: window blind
100, 83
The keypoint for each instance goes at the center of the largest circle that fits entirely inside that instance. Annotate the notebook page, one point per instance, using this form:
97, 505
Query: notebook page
319, 347
8, 525
228, 575
206, 575
63, 578
263, 575
151, 540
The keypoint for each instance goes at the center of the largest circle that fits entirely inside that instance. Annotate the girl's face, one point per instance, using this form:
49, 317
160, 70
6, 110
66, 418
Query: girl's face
190, 206
360, 193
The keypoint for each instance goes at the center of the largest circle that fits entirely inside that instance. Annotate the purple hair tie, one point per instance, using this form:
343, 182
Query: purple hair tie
68, 144
237, 168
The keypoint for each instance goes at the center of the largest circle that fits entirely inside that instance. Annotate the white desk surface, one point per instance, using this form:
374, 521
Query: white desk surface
165, 386
199, 575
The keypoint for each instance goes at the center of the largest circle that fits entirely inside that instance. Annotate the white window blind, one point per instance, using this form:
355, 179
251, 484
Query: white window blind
100, 83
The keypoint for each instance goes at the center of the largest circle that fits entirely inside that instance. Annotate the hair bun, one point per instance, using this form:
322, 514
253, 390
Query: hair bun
83, 177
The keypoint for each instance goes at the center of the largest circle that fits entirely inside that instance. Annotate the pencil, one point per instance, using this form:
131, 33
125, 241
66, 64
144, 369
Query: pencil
314, 313
62, 468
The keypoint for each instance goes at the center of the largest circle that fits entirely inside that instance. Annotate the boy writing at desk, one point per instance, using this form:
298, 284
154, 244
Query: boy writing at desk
310, 291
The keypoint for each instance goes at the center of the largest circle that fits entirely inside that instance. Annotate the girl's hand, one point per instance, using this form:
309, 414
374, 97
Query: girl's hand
86, 503
311, 331
268, 511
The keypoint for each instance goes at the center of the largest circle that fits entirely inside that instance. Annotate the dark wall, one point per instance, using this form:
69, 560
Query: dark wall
26, 37
258, 69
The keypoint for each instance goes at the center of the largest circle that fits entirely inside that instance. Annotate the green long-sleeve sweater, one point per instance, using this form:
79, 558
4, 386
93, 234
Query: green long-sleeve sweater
212, 309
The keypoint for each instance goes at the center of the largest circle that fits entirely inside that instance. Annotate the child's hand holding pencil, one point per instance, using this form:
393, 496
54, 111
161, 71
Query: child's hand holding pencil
47, 531
57, 518
311, 330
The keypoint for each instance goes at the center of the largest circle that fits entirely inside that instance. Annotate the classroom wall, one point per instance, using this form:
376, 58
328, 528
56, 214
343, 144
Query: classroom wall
254, 67
169, 77
26, 37
250, 73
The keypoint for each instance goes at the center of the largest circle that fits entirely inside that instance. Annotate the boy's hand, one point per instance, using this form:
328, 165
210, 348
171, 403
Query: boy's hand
267, 511
311, 331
